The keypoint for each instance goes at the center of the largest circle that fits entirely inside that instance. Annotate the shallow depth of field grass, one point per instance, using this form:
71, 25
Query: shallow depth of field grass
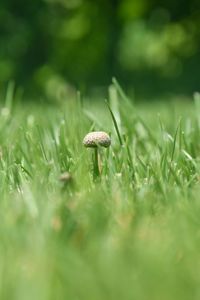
132, 234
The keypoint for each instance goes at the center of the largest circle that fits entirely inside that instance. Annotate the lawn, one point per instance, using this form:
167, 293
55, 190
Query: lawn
133, 232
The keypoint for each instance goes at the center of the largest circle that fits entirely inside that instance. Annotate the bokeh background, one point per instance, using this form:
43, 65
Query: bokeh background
151, 46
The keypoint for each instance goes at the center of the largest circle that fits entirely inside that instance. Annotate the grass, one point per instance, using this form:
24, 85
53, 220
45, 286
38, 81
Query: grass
133, 234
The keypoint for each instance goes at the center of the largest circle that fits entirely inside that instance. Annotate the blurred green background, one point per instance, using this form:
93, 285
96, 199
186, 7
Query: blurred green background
56, 46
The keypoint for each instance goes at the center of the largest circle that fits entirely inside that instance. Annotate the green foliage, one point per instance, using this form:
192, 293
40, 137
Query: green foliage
47, 44
134, 234
144, 47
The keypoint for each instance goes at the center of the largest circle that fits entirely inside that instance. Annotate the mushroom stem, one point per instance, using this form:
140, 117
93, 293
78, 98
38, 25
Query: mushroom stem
95, 140
96, 171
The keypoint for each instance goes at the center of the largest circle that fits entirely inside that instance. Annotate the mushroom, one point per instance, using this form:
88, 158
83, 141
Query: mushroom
94, 140
67, 181
65, 177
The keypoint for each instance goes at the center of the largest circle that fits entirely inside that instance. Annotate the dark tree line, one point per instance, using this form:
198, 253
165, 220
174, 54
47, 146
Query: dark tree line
87, 42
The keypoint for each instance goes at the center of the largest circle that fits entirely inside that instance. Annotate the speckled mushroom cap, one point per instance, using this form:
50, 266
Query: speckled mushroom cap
97, 138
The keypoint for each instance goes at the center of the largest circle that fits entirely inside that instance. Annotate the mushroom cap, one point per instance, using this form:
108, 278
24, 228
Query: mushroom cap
65, 177
97, 138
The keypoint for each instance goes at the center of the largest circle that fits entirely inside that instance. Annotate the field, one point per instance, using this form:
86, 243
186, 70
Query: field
133, 232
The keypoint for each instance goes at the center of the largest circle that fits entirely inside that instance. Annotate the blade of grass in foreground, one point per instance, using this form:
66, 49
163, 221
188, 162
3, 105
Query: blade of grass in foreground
115, 124
120, 90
